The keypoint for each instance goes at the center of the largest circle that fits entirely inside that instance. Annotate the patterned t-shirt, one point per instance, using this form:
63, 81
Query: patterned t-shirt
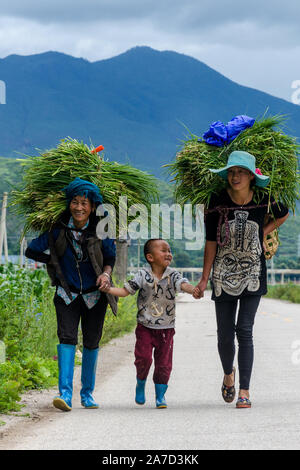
239, 267
156, 297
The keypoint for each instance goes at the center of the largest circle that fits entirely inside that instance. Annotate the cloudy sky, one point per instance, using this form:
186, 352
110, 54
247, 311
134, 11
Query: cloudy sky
255, 43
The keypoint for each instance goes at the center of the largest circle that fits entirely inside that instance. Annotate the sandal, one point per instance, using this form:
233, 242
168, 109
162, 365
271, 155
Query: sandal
243, 402
228, 393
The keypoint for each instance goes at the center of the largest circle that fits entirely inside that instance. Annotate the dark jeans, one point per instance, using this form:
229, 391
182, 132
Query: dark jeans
243, 329
92, 320
161, 341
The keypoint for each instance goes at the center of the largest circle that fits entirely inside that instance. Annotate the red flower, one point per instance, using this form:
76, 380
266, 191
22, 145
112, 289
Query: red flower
258, 172
98, 149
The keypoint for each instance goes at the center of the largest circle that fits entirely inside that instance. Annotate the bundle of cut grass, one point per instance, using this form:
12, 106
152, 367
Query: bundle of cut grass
40, 198
276, 156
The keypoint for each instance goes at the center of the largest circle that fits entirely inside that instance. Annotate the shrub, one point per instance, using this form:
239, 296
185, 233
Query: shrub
289, 292
28, 329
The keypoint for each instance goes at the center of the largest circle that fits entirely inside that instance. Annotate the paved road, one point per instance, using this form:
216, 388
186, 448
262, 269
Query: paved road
196, 417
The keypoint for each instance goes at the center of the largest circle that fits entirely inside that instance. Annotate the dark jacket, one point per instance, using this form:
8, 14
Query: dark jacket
62, 264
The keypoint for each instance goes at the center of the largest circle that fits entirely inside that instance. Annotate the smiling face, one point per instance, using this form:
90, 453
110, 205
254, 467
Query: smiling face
160, 254
239, 178
80, 208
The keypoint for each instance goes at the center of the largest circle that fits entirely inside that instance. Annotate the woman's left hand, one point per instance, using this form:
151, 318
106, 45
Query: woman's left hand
200, 288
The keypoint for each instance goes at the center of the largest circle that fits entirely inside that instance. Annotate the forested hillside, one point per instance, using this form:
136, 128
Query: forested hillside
137, 104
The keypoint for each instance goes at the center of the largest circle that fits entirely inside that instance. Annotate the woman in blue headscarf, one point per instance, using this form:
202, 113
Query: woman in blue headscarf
79, 264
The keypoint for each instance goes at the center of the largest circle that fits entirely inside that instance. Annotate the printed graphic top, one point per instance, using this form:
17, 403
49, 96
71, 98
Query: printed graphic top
156, 297
239, 267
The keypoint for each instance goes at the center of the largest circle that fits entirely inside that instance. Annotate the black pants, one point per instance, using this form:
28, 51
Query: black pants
92, 320
243, 329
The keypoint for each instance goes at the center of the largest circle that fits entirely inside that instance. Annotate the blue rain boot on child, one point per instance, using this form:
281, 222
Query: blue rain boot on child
88, 377
160, 390
140, 392
66, 358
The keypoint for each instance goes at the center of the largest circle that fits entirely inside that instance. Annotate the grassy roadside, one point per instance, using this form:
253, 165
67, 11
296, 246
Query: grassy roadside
28, 329
290, 292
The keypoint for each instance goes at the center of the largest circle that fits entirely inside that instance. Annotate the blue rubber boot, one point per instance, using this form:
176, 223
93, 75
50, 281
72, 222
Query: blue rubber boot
160, 390
140, 392
88, 376
66, 358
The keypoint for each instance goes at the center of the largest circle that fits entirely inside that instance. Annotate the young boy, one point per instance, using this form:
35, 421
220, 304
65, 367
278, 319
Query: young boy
157, 286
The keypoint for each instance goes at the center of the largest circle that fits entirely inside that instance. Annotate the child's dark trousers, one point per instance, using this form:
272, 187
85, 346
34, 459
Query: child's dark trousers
161, 341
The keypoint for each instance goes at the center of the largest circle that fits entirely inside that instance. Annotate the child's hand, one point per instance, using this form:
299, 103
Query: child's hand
105, 289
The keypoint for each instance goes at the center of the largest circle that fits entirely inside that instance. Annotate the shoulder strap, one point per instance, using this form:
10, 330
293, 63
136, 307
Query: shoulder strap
56, 265
61, 243
94, 247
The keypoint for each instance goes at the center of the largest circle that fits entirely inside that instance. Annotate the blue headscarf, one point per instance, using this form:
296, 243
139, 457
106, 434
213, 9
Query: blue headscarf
79, 187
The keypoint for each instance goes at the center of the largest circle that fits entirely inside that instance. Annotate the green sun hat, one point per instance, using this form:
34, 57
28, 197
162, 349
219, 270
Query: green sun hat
244, 160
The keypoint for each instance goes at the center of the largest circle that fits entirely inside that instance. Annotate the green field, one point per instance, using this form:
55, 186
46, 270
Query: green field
28, 329
290, 292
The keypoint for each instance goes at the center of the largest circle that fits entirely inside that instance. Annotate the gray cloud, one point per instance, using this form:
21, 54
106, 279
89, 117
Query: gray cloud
204, 13
77, 10
232, 22
254, 43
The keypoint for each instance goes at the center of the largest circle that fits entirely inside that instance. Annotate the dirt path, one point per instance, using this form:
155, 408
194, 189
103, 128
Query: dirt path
196, 417
38, 403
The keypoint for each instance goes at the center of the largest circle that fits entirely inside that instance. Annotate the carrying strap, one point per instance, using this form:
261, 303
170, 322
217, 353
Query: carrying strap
56, 265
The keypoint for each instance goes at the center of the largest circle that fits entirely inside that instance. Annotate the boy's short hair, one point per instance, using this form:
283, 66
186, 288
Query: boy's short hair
148, 246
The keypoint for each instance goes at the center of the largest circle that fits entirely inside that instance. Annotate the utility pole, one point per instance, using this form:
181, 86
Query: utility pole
139, 253
120, 269
23, 247
273, 282
3, 234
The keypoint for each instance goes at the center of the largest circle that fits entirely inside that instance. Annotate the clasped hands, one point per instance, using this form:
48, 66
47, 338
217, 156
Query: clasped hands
198, 292
103, 282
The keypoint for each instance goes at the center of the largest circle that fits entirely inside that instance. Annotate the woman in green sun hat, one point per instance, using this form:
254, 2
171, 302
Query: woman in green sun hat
234, 249
244, 160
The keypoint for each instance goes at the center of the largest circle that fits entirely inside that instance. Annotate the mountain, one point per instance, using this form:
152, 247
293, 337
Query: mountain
137, 104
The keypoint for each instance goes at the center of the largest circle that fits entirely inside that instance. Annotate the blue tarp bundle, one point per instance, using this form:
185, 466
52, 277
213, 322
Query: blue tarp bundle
220, 134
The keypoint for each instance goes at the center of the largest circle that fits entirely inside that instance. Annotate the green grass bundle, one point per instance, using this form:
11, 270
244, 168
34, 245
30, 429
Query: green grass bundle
40, 198
276, 156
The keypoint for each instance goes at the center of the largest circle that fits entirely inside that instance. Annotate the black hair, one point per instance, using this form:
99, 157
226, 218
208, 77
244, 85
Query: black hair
148, 246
